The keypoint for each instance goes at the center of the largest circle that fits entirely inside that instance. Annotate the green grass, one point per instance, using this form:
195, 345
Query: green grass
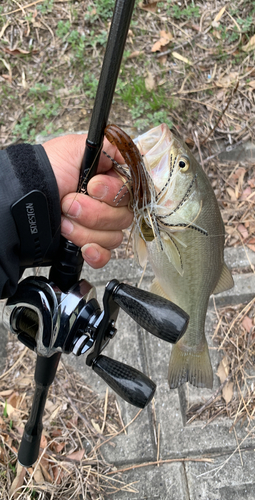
26, 128
147, 108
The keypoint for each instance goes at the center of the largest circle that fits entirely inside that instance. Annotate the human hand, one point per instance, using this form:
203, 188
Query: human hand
92, 222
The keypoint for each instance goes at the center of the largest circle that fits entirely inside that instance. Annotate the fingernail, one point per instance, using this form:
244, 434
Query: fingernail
89, 252
66, 226
71, 209
98, 190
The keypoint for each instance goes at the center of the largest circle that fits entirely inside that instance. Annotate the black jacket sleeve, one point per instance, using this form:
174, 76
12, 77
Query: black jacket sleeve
34, 223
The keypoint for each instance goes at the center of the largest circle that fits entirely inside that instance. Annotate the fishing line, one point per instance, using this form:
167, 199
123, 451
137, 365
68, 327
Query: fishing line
182, 201
170, 175
187, 226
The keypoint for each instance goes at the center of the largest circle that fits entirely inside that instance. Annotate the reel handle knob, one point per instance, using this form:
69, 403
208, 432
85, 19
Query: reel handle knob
129, 383
157, 315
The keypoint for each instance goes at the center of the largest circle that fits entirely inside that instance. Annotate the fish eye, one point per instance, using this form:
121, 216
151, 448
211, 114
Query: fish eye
184, 163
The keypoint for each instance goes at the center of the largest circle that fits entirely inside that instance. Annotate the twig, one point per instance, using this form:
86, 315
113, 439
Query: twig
158, 444
161, 462
237, 448
242, 312
117, 433
26, 7
15, 364
221, 115
105, 409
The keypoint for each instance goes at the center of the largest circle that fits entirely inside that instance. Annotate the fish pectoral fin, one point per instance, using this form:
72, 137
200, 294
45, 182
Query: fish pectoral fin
140, 250
158, 290
225, 282
194, 368
172, 252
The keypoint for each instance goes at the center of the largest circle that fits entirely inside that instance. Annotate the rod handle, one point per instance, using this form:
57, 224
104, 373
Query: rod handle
45, 371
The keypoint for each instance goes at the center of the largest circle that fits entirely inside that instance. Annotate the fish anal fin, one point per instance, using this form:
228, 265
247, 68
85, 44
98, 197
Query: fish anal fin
156, 288
225, 282
185, 366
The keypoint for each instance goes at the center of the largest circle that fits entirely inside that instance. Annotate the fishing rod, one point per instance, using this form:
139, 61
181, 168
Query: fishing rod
61, 314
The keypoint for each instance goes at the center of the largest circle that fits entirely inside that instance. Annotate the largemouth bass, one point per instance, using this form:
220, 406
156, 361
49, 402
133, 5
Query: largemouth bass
179, 230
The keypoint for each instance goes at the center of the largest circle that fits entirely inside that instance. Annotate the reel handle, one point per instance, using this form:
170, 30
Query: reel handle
130, 384
157, 315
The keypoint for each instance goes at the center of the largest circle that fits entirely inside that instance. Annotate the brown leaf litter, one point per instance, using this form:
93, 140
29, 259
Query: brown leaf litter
234, 338
76, 424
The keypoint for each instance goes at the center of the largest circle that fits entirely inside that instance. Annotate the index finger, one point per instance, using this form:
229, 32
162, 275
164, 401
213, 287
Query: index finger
105, 163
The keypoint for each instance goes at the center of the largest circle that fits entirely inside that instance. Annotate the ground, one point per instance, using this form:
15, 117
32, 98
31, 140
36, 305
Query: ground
189, 64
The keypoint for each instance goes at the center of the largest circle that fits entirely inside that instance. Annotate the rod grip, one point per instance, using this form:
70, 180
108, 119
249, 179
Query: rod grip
129, 383
45, 371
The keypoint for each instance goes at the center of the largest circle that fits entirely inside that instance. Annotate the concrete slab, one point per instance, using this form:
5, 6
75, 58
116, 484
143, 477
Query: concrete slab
185, 481
166, 482
234, 481
178, 439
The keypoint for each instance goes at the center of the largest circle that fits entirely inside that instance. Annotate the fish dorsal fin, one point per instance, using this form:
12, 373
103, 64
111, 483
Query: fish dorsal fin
158, 290
225, 282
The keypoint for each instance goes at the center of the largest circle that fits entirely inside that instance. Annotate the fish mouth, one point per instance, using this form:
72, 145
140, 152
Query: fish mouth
155, 146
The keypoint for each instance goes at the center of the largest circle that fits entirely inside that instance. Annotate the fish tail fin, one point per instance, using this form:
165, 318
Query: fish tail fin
194, 368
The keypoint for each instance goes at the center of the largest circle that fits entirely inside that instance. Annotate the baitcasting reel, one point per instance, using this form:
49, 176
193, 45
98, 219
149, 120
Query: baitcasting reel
51, 322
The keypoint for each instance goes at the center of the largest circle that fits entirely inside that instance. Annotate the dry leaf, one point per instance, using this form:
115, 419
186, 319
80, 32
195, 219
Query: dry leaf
76, 455
46, 474
15, 52
252, 84
43, 442
251, 247
38, 475
247, 194
228, 80
2, 423
136, 53
25, 381
159, 44
56, 432
10, 410
240, 172
6, 393
223, 369
150, 6
14, 399
227, 391
247, 324
231, 193
19, 479
217, 18
166, 35
149, 81
250, 45
96, 426
162, 59
3, 458
58, 447
176, 55
243, 231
